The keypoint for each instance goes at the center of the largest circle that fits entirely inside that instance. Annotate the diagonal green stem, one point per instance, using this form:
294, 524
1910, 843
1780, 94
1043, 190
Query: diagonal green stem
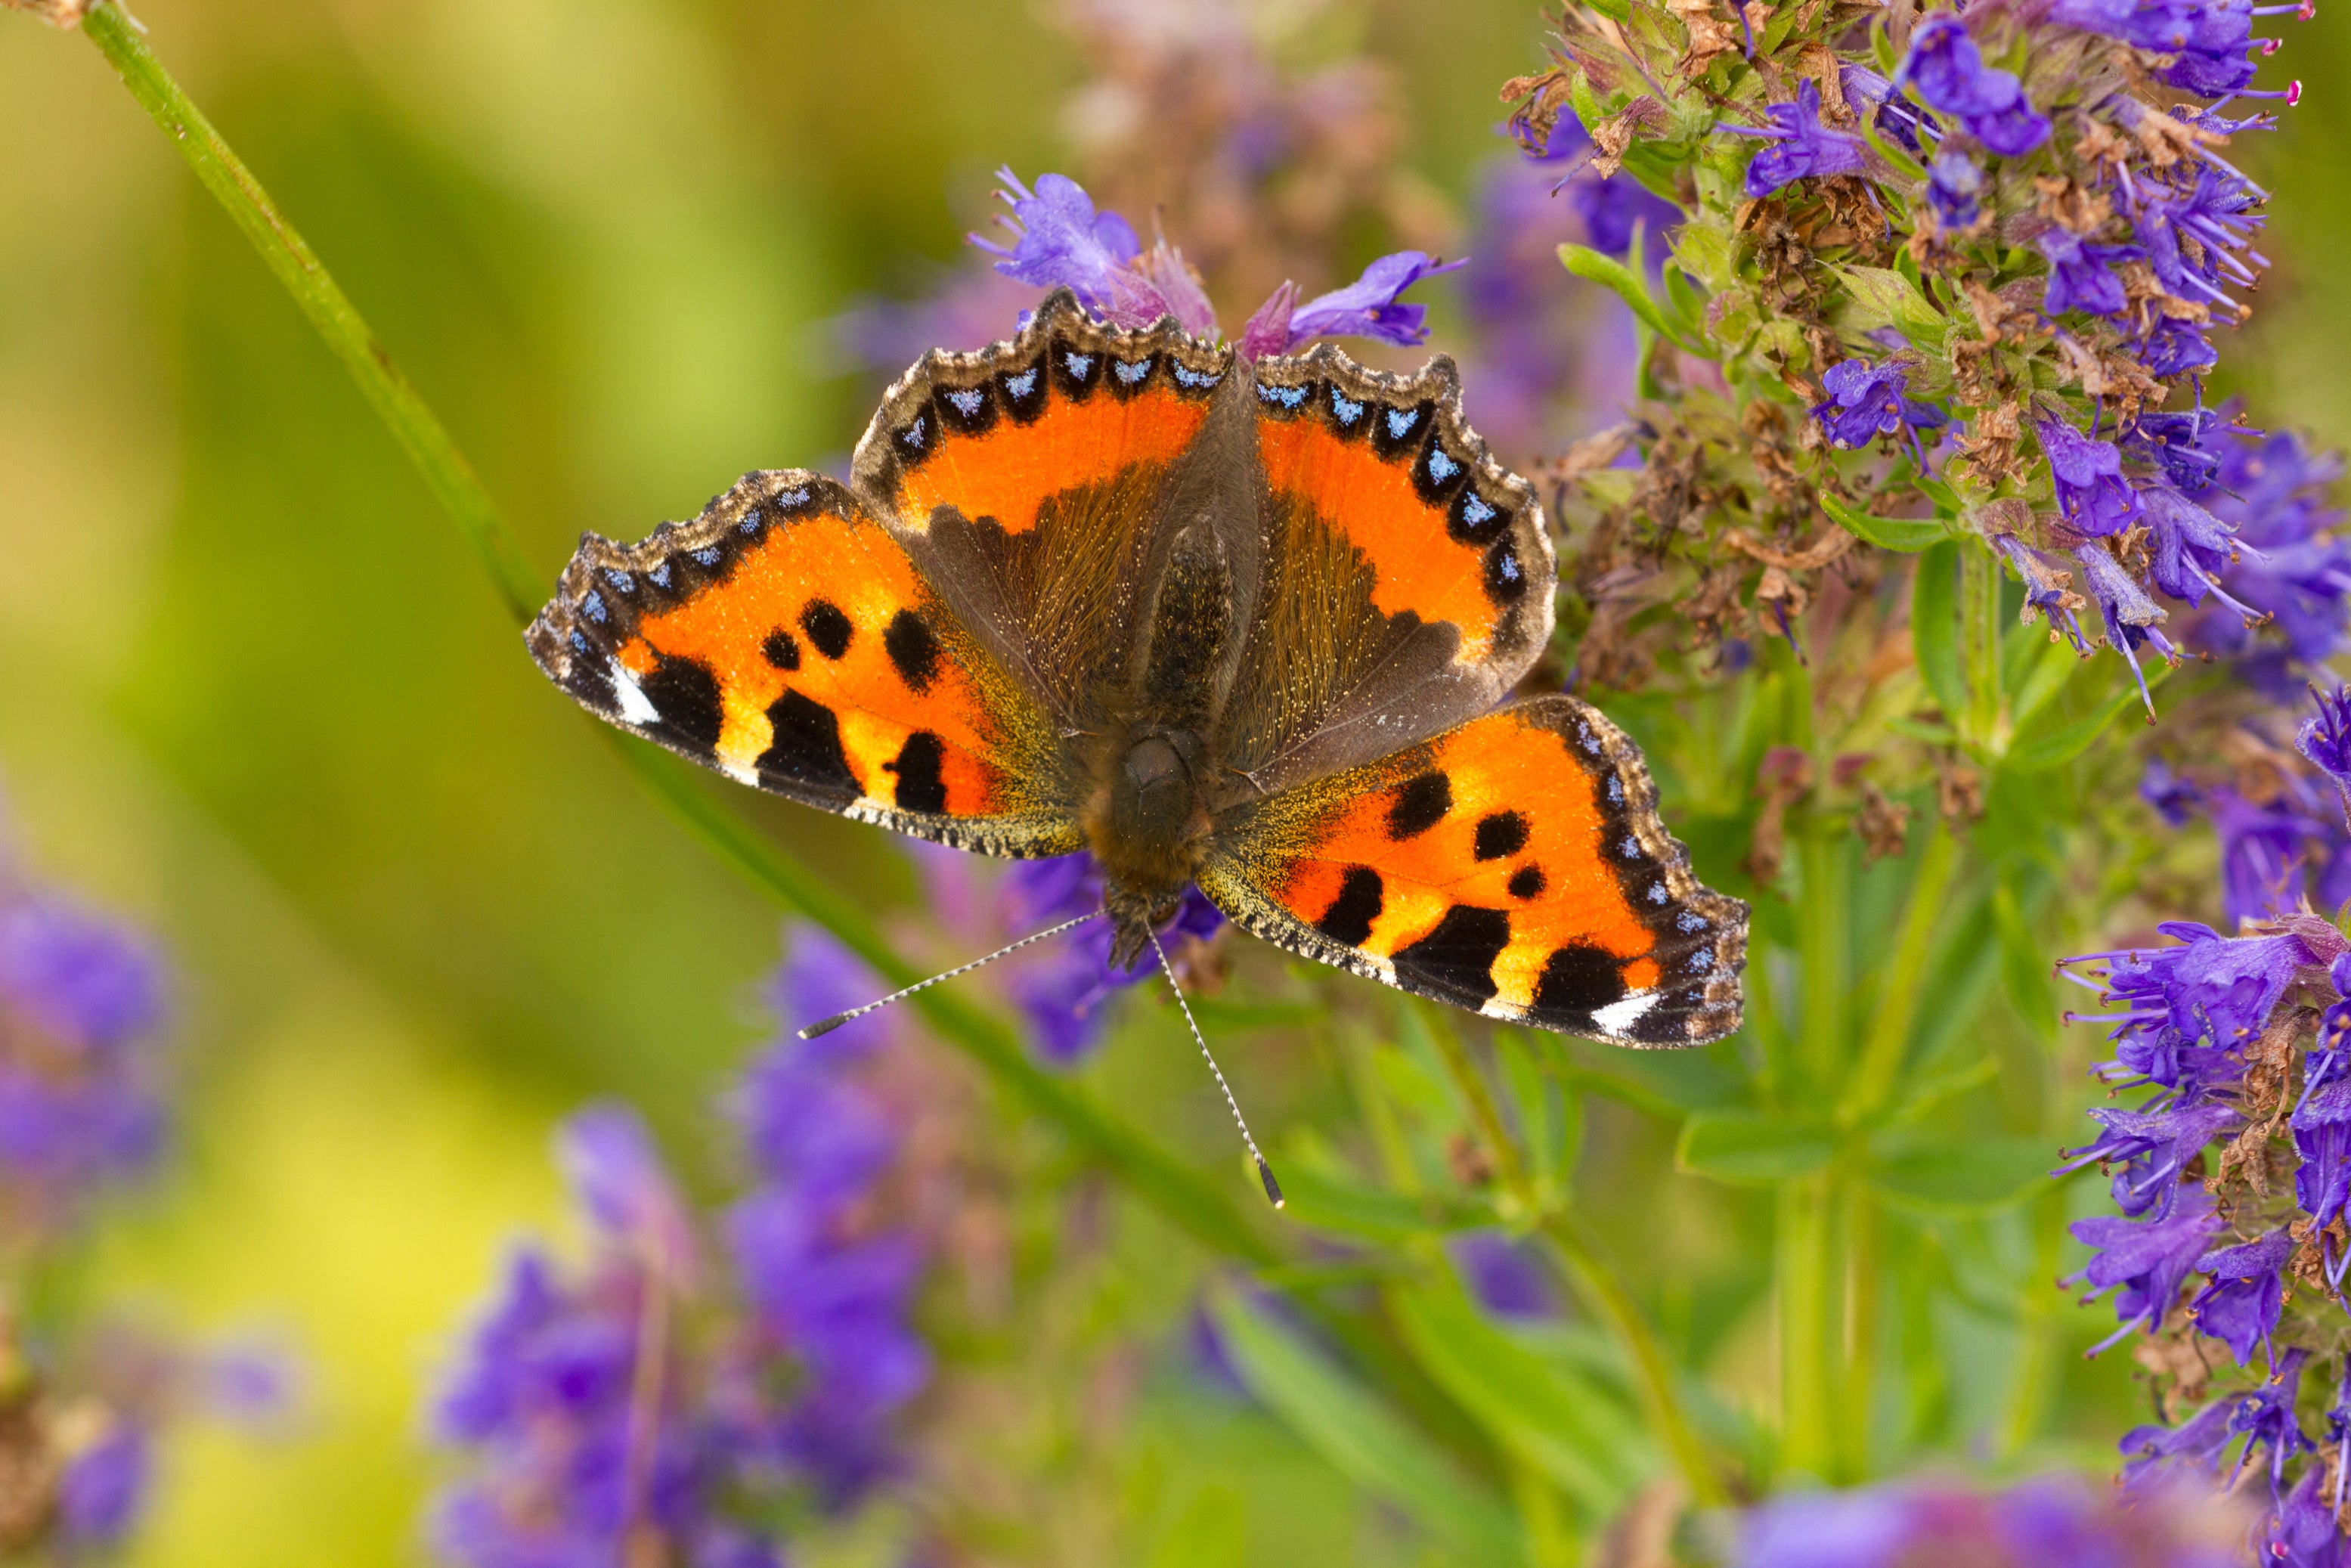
1583, 1258
1178, 1192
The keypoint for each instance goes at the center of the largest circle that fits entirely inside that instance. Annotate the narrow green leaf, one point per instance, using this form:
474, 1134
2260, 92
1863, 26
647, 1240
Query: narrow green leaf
1626, 285
2024, 965
1908, 535
1356, 1433
2051, 741
1324, 1200
1533, 1406
1973, 1177
1749, 1146
1935, 626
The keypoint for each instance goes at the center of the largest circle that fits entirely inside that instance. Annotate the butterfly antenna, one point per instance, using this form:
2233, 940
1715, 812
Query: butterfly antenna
1264, 1171
825, 1025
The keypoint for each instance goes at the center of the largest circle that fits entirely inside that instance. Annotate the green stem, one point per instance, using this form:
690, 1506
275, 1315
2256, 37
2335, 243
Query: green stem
1980, 639
1822, 916
1807, 1353
1883, 1046
1859, 1359
1583, 1262
1178, 1192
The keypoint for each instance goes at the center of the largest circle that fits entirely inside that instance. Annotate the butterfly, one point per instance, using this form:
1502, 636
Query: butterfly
1248, 625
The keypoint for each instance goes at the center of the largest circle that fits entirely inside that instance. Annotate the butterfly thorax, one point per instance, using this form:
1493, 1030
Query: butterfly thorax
1150, 827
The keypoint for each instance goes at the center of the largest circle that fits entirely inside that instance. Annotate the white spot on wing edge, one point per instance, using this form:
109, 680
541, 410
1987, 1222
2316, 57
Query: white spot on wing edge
636, 707
1616, 1019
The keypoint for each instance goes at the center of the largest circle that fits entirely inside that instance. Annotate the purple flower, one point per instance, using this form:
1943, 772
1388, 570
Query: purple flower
1614, 207
2152, 1147
81, 1003
2272, 491
1367, 308
2269, 853
2265, 1418
2322, 1136
102, 1488
2130, 617
607, 1157
2080, 275
1869, 1528
1505, 1277
2173, 798
1800, 147
2149, 1259
2325, 741
2091, 490
2046, 590
1867, 401
1944, 68
1063, 996
2304, 1533
2240, 1307
1954, 183
2210, 39
2153, 1453
1059, 241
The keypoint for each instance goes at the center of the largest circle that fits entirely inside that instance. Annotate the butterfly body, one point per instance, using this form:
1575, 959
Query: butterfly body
1244, 625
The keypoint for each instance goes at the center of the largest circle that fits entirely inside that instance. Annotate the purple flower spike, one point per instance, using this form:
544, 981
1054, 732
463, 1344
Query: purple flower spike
2046, 590
2325, 741
2265, 1417
1800, 147
1613, 208
2192, 547
2129, 615
607, 1157
2240, 1307
1063, 995
2322, 1136
2081, 276
1507, 1279
2152, 1147
99, 1494
1367, 308
1947, 70
2304, 1534
2091, 490
2149, 1260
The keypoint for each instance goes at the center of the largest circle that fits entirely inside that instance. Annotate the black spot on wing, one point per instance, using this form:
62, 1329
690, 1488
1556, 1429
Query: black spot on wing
1577, 979
912, 649
1499, 834
1349, 918
1457, 958
921, 787
1527, 881
805, 750
827, 627
1419, 805
684, 693
781, 649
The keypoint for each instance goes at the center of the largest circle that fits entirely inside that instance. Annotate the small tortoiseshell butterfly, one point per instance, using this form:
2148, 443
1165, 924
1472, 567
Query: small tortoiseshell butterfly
1238, 624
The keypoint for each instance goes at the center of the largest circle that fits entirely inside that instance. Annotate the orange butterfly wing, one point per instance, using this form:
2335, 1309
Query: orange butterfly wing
1514, 865
784, 639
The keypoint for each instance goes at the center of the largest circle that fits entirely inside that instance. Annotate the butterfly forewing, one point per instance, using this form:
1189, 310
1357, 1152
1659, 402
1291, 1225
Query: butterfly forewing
785, 639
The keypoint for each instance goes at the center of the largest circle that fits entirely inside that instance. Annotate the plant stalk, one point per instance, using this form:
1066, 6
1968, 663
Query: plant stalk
1807, 1276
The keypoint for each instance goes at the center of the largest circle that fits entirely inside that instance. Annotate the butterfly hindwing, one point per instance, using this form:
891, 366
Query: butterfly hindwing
1026, 481
1515, 865
1408, 578
786, 640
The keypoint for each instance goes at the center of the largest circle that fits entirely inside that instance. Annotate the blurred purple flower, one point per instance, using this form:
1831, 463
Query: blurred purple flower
2322, 1186
1507, 1279
2047, 1521
2325, 741
81, 1005
1063, 994
2156, 1454
1954, 183
2291, 567
2265, 1418
1799, 146
1367, 308
102, 1488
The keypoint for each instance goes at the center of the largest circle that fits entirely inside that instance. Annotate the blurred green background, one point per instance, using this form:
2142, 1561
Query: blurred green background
254, 690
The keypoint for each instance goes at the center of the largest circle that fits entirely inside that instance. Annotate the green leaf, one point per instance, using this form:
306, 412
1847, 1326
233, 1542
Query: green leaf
1886, 299
1935, 626
2051, 741
1973, 1177
1531, 1405
1613, 274
2024, 965
1749, 1146
1357, 1433
1324, 1200
1908, 535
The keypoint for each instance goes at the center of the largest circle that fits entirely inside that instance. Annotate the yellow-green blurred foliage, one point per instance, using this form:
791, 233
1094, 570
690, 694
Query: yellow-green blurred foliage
254, 690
